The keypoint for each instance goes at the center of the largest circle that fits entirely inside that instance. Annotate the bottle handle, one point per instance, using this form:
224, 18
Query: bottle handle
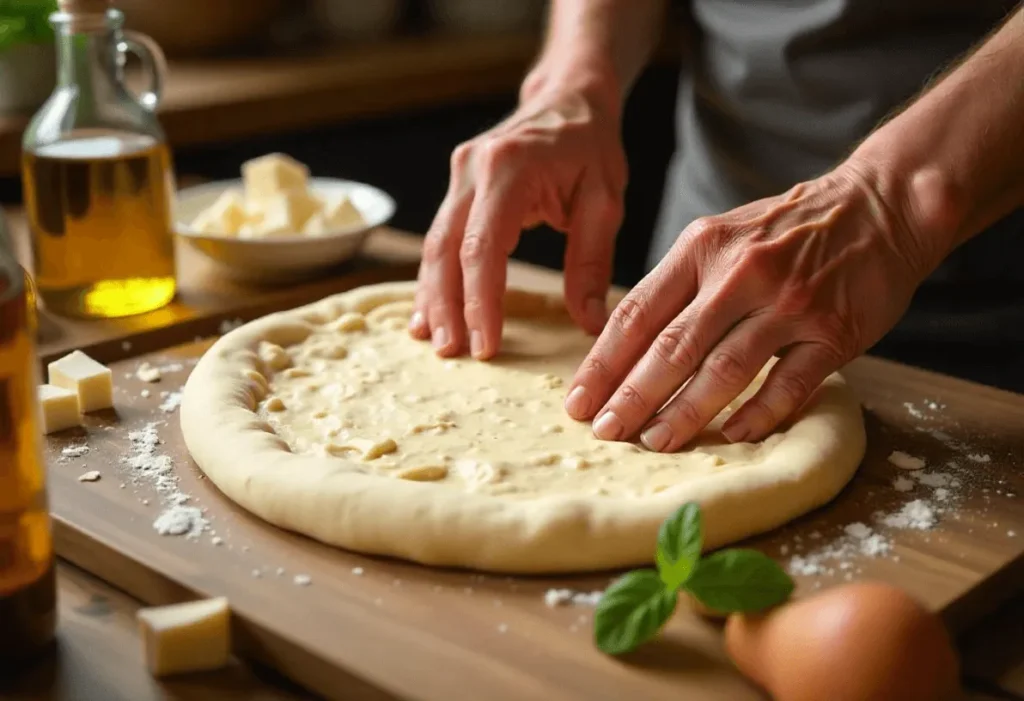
153, 64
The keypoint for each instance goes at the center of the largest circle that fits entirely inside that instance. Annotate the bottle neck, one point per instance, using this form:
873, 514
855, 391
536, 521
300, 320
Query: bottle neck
87, 55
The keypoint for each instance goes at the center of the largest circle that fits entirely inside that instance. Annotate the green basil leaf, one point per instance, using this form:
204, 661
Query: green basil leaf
632, 611
739, 580
680, 540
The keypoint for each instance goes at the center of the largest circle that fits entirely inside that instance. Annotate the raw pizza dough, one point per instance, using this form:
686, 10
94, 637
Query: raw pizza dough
329, 420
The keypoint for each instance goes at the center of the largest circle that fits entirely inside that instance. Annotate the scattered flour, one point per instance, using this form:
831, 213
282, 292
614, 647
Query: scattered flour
180, 520
905, 462
902, 484
302, 580
148, 373
73, 451
91, 476
934, 479
977, 457
144, 394
917, 515
358, 571
561, 597
172, 400
147, 464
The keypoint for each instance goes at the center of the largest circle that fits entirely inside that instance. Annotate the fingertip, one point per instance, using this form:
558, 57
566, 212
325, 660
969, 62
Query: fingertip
418, 326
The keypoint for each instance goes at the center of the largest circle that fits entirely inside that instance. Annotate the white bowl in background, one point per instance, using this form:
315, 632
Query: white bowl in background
282, 258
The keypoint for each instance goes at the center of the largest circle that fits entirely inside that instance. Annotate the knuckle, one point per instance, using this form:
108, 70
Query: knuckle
460, 157
472, 309
435, 248
630, 317
728, 367
631, 397
675, 349
474, 250
703, 228
682, 412
792, 389
596, 366
498, 152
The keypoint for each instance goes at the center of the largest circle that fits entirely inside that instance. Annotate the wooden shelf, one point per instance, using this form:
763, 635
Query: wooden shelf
210, 100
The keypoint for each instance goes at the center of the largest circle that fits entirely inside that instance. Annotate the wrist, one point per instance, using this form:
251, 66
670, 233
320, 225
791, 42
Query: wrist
924, 202
586, 74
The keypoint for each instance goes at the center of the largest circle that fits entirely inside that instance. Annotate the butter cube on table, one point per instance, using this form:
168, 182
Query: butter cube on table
59, 408
91, 381
190, 637
271, 174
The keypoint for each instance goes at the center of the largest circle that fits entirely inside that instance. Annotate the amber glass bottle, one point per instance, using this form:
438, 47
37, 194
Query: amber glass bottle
28, 608
97, 173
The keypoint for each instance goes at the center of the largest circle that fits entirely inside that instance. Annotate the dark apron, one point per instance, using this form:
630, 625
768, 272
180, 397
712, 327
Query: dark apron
775, 93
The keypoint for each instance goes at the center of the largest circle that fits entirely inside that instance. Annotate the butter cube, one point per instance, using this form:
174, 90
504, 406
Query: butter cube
316, 226
225, 216
272, 174
91, 381
286, 212
189, 637
342, 214
59, 408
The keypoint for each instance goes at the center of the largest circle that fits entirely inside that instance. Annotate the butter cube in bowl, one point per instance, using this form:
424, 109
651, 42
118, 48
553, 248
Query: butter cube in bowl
277, 224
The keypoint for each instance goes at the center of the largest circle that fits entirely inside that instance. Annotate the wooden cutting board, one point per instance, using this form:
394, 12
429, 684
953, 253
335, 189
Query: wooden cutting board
368, 628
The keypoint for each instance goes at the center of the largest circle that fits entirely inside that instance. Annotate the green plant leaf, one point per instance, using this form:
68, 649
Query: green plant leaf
739, 580
25, 22
632, 611
680, 540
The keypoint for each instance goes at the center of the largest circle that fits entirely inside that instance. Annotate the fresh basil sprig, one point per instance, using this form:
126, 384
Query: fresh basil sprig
637, 605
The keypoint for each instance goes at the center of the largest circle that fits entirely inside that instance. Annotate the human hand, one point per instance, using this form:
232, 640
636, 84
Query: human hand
815, 276
556, 160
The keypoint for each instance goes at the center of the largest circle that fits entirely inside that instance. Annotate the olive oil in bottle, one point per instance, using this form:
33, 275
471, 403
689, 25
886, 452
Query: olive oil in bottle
28, 603
99, 208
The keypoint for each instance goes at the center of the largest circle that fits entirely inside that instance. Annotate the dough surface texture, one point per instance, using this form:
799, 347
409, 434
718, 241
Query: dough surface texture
329, 420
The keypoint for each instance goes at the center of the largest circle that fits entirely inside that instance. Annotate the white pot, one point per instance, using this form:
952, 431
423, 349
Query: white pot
357, 19
28, 73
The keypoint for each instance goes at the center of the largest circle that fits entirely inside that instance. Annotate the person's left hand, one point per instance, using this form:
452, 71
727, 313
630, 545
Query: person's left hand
815, 276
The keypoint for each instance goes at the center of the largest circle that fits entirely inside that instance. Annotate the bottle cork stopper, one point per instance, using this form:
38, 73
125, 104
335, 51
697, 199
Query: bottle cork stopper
85, 7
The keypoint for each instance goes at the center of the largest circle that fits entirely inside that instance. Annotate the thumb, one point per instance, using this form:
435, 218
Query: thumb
590, 249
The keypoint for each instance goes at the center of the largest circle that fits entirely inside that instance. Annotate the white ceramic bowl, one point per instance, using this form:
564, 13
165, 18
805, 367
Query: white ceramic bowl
282, 258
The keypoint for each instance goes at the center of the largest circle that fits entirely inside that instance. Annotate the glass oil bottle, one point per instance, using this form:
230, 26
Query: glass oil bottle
97, 174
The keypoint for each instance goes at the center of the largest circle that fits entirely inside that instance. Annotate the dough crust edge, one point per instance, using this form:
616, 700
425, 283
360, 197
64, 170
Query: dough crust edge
327, 499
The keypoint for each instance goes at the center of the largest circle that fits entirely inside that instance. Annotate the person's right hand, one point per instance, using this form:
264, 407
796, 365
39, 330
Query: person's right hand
557, 160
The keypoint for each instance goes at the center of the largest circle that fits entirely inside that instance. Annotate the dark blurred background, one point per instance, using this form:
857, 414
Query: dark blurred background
400, 143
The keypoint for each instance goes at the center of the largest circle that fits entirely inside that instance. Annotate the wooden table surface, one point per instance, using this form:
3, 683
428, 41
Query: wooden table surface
99, 655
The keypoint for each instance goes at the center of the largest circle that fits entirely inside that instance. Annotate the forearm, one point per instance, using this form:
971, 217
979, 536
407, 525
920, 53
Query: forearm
955, 157
602, 45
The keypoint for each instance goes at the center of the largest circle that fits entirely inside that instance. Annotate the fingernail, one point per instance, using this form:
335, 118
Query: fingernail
476, 343
578, 403
596, 311
738, 432
657, 437
417, 321
609, 427
440, 338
